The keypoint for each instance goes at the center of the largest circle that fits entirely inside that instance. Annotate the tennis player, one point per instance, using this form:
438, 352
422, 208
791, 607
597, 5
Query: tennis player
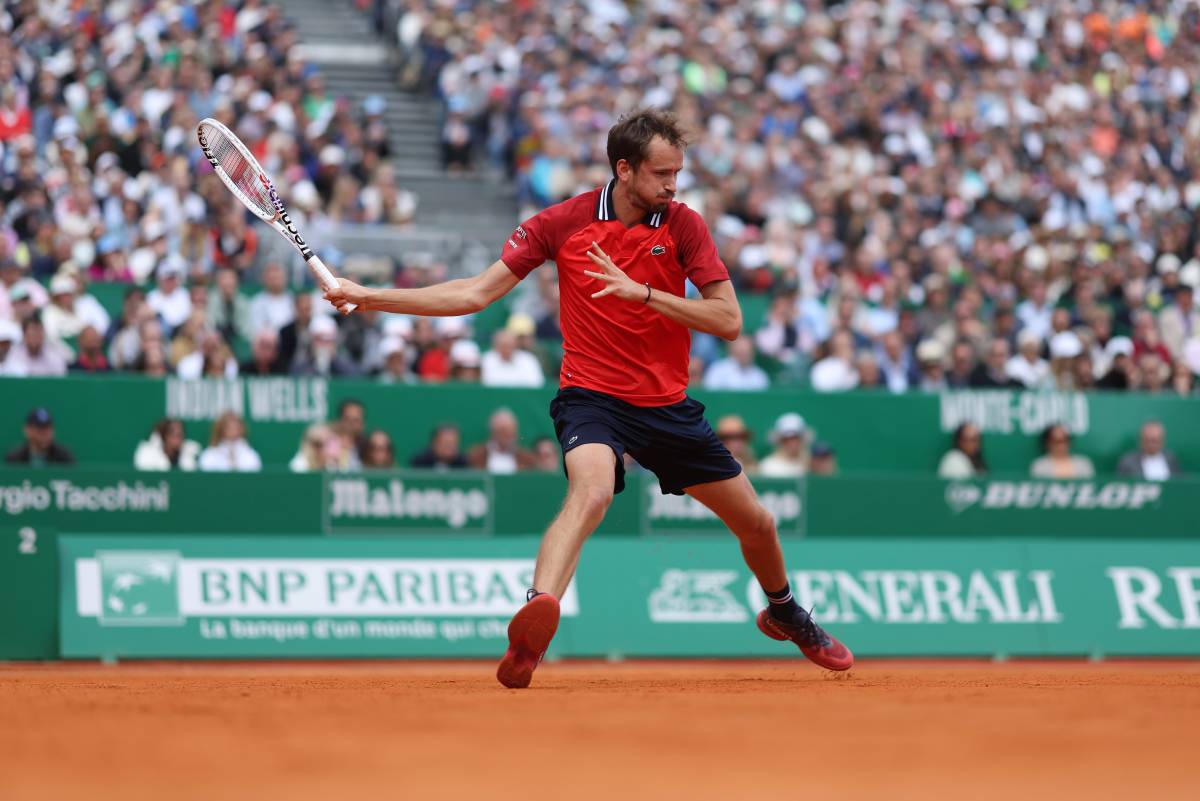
623, 253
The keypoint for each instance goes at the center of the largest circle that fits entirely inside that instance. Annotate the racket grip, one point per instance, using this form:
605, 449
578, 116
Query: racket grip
325, 277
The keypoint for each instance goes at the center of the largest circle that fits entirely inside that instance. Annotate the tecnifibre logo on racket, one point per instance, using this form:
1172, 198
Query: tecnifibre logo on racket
281, 215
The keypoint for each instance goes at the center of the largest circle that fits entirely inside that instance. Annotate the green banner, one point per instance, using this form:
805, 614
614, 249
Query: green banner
872, 431
416, 501
192, 597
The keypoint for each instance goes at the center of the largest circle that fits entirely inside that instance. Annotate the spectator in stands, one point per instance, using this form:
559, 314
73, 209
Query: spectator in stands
1151, 461
229, 309
273, 307
931, 366
465, 362
322, 358
352, 415
737, 439
40, 448
1121, 372
1065, 349
1028, 366
123, 337
377, 453
10, 335
317, 450
228, 450
501, 453
444, 451
395, 362
1183, 380
264, 355
867, 368
782, 337
169, 299
34, 355
1056, 460
790, 437
90, 357
167, 448
965, 457
737, 371
1179, 321
506, 366
696, 368
59, 317
962, 365
823, 460
894, 359
294, 338
991, 372
836, 372
546, 455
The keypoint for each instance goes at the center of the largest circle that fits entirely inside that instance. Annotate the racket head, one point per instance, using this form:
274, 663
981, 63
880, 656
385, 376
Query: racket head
237, 168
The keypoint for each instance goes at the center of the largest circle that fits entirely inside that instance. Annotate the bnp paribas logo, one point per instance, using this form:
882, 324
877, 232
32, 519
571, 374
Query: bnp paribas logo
139, 588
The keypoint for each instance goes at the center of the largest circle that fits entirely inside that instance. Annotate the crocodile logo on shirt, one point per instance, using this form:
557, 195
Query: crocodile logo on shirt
657, 250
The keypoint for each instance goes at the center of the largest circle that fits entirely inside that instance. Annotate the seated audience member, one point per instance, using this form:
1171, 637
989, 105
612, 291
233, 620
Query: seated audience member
789, 458
39, 448
991, 372
507, 366
1028, 366
394, 369
273, 307
465, 361
823, 461
546, 455
167, 448
965, 457
931, 366
228, 449
736, 437
1057, 460
1151, 461
170, 299
836, 372
294, 338
322, 357
314, 453
1121, 372
229, 309
10, 335
352, 416
501, 453
444, 451
90, 358
34, 355
377, 453
737, 371
264, 355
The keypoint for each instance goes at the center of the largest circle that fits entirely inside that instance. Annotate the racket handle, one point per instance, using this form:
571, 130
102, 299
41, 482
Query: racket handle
325, 277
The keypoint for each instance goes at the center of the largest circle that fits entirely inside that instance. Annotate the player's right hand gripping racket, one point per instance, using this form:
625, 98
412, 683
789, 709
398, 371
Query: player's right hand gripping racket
248, 182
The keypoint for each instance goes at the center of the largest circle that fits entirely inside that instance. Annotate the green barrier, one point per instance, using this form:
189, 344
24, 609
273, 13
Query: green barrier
188, 597
468, 502
102, 419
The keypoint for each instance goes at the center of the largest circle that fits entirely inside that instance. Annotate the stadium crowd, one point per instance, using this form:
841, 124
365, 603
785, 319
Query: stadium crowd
925, 195
937, 194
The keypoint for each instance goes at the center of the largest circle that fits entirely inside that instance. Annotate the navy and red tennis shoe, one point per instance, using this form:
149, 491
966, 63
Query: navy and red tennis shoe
818, 645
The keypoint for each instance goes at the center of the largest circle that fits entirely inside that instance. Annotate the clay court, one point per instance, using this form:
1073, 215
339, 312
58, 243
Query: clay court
587, 730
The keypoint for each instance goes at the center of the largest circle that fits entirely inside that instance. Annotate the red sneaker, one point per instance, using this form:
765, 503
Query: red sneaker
815, 643
529, 635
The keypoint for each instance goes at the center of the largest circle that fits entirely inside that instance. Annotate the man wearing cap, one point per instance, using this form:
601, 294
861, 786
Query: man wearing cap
39, 448
788, 458
1028, 366
170, 300
59, 317
823, 460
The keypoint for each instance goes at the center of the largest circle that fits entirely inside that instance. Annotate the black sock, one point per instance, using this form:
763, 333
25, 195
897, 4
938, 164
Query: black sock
531, 593
783, 606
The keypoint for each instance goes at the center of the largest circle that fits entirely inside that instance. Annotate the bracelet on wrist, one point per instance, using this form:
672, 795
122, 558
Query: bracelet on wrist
647, 300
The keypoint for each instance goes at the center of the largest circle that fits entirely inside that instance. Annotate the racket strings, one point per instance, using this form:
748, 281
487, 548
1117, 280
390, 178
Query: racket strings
239, 170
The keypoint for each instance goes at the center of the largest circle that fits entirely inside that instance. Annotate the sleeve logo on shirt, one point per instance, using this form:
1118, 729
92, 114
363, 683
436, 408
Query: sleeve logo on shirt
519, 233
657, 250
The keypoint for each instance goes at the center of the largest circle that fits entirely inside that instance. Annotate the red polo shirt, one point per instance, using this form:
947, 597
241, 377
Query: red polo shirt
610, 345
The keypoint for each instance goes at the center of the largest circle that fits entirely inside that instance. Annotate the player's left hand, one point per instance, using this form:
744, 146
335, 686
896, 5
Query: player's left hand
618, 283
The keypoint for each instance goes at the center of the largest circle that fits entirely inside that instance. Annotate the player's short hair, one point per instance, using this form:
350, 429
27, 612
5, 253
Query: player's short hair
630, 138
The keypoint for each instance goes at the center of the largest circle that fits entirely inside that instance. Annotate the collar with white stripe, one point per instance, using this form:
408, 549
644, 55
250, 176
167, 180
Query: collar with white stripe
606, 209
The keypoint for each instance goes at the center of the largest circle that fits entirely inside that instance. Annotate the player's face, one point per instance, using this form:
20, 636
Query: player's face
652, 184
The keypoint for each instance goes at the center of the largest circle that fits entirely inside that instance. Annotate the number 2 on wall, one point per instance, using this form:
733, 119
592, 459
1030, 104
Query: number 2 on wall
28, 543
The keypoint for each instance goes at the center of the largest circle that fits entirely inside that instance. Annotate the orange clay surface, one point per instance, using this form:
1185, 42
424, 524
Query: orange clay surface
587, 730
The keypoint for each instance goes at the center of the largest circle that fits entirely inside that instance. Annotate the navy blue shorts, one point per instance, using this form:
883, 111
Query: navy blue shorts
675, 442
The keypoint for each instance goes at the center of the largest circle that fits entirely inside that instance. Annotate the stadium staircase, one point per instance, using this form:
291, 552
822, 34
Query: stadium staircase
356, 62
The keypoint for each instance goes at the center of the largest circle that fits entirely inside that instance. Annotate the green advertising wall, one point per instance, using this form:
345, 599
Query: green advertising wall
395, 509
102, 419
190, 597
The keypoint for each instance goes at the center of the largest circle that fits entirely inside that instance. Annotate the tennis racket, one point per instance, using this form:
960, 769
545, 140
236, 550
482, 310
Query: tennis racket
236, 166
